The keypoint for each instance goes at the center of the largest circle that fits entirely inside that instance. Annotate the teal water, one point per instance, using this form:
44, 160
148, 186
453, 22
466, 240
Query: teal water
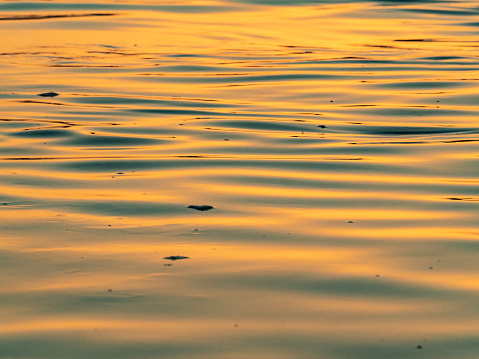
336, 141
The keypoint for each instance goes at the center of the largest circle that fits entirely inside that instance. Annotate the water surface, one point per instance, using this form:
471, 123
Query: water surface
336, 141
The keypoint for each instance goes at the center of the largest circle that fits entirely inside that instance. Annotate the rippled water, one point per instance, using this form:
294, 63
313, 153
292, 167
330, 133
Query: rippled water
336, 141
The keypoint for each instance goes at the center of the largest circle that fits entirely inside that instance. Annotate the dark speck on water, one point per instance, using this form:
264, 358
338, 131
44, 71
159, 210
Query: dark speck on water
175, 258
201, 208
48, 94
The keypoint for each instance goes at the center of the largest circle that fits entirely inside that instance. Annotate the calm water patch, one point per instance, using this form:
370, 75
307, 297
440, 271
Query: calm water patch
312, 164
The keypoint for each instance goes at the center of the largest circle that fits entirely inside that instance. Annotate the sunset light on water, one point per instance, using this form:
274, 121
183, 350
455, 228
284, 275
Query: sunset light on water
259, 179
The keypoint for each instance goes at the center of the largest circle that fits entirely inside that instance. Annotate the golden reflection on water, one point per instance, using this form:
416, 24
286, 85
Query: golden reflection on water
337, 144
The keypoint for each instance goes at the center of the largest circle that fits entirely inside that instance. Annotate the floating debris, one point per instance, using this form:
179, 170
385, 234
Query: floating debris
48, 94
322, 126
419, 346
175, 258
201, 208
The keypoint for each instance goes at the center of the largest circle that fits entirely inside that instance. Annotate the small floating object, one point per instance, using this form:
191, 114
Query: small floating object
419, 346
48, 94
201, 208
322, 126
175, 258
